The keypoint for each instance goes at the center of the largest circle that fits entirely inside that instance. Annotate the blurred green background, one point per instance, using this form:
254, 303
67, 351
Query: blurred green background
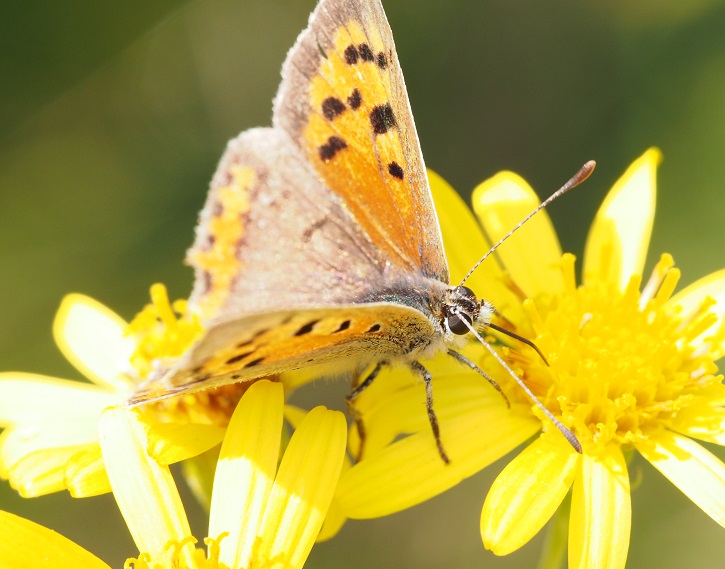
113, 115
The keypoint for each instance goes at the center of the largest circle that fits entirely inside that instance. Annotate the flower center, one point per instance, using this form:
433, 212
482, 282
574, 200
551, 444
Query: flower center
163, 332
622, 363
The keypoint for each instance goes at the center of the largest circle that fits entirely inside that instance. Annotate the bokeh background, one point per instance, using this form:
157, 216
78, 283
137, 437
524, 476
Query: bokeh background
113, 115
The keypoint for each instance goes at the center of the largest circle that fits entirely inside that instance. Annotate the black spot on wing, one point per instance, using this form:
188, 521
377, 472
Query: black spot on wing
365, 52
395, 170
382, 60
333, 146
254, 362
344, 326
373, 328
239, 357
332, 107
306, 329
355, 100
351, 55
382, 118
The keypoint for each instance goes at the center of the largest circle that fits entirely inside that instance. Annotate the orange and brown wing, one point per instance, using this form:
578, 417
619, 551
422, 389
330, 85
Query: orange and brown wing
260, 345
344, 104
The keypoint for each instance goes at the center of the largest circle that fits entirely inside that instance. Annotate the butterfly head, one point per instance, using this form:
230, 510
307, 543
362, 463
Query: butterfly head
462, 304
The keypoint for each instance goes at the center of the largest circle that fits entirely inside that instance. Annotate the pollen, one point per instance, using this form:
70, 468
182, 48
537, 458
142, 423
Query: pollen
177, 556
163, 331
621, 367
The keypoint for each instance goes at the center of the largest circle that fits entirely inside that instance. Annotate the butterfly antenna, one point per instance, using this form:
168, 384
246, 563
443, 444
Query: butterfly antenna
568, 434
583, 173
521, 339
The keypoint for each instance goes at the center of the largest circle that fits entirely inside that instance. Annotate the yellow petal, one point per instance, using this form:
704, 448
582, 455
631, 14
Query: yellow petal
457, 390
170, 443
245, 472
93, 338
618, 240
527, 493
85, 473
19, 442
463, 238
304, 487
335, 518
27, 545
30, 399
144, 490
698, 473
702, 422
41, 472
689, 299
601, 512
532, 255
410, 471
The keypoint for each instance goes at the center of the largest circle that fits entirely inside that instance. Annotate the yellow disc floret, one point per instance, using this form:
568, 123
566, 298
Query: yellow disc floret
620, 363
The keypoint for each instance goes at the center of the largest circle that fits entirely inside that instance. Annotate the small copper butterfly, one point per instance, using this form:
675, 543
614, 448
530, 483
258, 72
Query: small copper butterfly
319, 243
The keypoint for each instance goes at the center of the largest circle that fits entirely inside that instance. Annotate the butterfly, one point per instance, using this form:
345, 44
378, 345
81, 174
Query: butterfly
319, 244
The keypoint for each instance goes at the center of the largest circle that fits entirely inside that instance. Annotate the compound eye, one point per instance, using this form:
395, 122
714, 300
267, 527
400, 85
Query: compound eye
466, 292
457, 325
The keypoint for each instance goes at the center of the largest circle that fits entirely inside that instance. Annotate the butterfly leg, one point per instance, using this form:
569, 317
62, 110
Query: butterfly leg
356, 416
428, 380
465, 361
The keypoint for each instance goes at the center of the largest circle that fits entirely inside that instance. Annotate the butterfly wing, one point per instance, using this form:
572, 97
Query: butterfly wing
259, 345
308, 249
272, 236
344, 104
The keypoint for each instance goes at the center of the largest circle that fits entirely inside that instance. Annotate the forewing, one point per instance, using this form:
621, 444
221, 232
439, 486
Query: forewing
344, 104
272, 236
260, 345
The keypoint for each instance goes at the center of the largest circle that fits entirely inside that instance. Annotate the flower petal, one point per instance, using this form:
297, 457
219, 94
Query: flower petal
410, 471
702, 422
30, 399
41, 472
304, 487
527, 493
19, 442
31, 546
394, 403
170, 443
690, 299
617, 244
693, 469
601, 512
245, 471
85, 473
93, 338
532, 255
335, 518
144, 490
463, 238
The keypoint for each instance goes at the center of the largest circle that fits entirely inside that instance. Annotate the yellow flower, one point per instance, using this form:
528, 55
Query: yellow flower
262, 515
50, 441
631, 367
